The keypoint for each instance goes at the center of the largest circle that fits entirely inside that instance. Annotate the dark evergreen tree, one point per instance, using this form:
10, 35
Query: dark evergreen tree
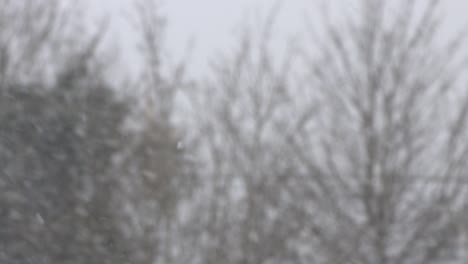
56, 150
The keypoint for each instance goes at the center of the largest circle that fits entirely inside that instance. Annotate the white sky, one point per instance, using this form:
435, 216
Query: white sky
210, 23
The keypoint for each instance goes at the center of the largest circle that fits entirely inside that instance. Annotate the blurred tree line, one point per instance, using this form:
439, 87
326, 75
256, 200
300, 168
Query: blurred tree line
348, 147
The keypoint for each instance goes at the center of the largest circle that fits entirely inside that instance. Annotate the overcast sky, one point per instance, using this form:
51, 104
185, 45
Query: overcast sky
209, 24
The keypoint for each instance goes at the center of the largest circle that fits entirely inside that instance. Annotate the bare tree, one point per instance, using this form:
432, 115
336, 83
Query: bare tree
155, 177
38, 39
385, 135
244, 214
357, 160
